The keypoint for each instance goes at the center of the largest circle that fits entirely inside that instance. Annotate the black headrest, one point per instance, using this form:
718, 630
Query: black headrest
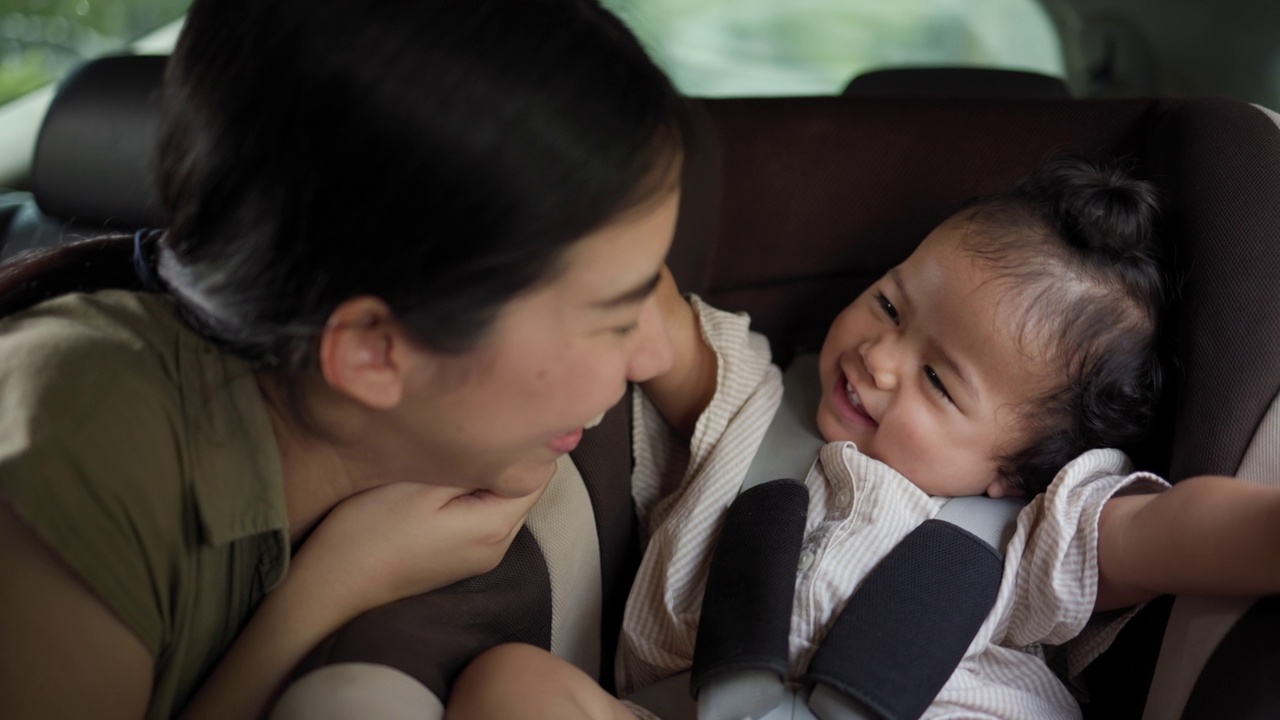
93, 158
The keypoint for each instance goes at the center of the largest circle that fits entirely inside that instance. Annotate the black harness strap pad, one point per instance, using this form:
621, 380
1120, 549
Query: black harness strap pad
746, 609
907, 627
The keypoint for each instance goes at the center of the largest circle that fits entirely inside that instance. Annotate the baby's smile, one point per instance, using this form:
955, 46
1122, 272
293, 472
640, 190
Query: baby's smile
856, 401
848, 404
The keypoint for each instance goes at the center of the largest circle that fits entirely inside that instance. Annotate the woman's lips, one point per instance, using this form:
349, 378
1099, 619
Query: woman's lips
849, 405
566, 442
562, 444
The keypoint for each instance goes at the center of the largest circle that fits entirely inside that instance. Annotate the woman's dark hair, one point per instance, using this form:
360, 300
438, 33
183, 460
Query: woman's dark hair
441, 155
1075, 241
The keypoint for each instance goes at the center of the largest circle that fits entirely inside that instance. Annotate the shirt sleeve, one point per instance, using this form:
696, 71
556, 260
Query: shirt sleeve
682, 489
1054, 552
748, 387
88, 460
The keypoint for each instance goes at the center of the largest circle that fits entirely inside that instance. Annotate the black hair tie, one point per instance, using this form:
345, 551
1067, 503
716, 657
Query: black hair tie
144, 259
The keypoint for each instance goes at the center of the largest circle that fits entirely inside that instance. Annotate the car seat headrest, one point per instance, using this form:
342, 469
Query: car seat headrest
93, 158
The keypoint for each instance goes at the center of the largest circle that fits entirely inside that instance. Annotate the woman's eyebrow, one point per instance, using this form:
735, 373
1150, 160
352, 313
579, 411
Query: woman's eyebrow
629, 297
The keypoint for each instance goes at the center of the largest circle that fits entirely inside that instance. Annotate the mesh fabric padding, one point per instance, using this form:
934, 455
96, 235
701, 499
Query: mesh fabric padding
902, 634
746, 609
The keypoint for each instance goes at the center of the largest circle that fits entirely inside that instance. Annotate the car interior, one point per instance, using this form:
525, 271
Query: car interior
790, 207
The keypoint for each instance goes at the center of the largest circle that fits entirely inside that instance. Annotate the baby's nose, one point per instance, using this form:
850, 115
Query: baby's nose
884, 379
876, 359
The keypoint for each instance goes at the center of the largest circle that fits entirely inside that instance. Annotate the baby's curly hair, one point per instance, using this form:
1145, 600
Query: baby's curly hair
1075, 244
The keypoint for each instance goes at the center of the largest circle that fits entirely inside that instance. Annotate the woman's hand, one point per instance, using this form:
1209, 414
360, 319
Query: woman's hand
373, 548
404, 539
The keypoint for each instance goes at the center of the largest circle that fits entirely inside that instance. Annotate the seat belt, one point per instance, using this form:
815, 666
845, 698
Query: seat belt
902, 633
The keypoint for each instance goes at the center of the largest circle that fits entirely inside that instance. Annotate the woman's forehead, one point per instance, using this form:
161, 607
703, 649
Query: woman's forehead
622, 256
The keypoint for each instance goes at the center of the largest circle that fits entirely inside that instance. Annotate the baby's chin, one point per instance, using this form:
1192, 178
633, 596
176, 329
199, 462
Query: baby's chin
832, 431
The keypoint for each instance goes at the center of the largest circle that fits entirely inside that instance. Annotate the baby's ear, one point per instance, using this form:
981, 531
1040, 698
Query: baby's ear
1001, 487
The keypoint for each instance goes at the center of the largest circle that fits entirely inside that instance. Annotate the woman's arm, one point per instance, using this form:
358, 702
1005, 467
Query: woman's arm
1206, 535
374, 548
683, 392
64, 653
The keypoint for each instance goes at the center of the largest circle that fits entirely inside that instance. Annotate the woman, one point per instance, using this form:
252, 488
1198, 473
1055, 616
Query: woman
411, 254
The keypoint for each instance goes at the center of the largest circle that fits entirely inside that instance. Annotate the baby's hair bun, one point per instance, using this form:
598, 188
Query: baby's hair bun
1097, 206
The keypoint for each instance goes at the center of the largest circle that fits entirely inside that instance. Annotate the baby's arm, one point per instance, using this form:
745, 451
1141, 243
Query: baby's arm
1205, 536
684, 391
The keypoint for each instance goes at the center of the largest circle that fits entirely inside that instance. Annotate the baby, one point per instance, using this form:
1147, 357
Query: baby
1018, 337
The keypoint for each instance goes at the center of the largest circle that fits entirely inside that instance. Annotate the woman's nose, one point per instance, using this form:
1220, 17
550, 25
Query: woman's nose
652, 354
878, 356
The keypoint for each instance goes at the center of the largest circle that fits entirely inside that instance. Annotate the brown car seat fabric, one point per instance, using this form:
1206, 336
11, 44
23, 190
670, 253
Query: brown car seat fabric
1218, 161
1246, 658
604, 460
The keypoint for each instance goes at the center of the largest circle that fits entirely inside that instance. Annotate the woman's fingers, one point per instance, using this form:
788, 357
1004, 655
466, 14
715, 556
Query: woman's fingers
404, 539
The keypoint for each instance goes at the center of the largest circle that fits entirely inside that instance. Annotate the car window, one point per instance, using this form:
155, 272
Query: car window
42, 40
718, 48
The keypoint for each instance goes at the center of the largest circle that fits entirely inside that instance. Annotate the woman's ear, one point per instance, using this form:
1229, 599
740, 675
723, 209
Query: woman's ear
364, 353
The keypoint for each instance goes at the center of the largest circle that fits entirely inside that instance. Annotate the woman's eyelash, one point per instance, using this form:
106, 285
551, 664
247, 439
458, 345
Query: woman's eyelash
887, 307
936, 382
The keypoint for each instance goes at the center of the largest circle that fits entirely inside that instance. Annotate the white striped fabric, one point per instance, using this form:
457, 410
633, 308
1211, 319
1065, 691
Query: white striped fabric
859, 510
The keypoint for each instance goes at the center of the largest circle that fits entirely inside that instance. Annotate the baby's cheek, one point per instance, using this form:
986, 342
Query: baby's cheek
918, 436
911, 451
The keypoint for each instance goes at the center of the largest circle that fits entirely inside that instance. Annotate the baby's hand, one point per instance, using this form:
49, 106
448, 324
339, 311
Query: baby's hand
403, 539
682, 393
674, 308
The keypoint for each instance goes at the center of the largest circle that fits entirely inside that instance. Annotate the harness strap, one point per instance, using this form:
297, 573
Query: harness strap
905, 630
746, 610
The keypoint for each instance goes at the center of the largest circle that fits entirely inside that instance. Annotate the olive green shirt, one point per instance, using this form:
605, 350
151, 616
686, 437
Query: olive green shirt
144, 458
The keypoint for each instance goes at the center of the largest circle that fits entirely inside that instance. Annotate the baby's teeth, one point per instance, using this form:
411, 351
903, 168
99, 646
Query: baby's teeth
599, 419
853, 396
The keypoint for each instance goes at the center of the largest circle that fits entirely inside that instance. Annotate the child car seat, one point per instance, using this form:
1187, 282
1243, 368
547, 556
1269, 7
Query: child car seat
791, 207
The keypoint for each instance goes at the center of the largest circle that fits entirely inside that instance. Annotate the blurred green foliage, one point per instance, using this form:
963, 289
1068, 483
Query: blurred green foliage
814, 47
41, 40
710, 47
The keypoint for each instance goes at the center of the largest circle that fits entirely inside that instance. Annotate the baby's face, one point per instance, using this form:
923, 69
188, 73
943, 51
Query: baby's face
924, 371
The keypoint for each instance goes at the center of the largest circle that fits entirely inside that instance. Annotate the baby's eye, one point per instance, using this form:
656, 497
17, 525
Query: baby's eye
937, 384
887, 307
625, 330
